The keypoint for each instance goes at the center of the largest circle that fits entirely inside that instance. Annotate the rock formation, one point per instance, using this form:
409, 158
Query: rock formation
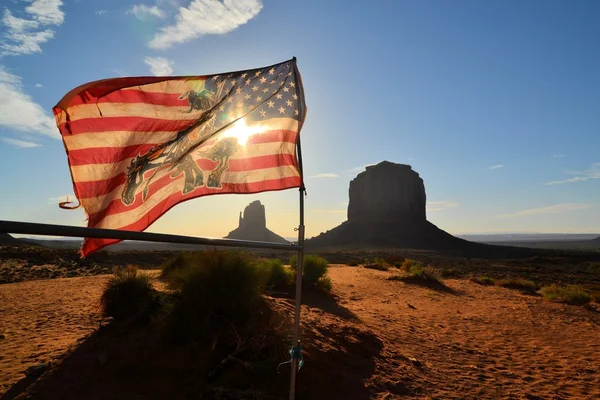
387, 192
5, 238
386, 209
253, 226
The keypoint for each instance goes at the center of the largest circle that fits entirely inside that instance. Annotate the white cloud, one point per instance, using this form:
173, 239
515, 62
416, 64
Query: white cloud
26, 35
591, 173
20, 143
39, 85
359, 169
101, 12
497, 166
142, 11
327, 175
206, 17
320, 211
159, 66
555, 209
433, 206
47, 11
19, 112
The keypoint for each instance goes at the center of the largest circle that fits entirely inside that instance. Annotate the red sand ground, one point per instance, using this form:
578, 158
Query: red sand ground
467, 342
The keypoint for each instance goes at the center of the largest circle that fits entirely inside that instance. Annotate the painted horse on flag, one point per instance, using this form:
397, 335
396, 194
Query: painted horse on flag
176, 153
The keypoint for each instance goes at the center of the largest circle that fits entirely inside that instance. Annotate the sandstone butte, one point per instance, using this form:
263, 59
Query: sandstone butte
253, 226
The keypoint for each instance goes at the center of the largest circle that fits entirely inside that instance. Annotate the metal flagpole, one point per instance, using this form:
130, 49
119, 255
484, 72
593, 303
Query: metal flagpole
297, 349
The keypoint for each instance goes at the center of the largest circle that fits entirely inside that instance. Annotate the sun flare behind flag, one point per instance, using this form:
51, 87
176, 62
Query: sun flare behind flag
138, 146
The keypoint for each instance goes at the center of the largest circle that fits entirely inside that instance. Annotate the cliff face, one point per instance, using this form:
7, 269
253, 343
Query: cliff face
5, 238
387, 210
387, 192
253, 226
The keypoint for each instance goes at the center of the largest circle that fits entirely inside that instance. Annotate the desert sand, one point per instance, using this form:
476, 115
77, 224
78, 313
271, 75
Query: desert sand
376, 339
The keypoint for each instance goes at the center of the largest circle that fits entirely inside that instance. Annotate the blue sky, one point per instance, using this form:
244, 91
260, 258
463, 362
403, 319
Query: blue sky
496, 104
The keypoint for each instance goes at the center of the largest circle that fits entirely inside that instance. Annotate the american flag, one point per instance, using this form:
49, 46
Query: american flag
138, 146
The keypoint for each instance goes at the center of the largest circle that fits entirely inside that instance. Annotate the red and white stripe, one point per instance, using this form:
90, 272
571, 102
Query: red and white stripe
104, 126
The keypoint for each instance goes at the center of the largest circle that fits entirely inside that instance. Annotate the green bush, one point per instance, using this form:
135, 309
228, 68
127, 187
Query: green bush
570, 294
128, 294
426, 274
177, 263
315, 268
216, 290
376, 266
274, 273
484, 280
408, 264
294, 260
325, 285
521, 284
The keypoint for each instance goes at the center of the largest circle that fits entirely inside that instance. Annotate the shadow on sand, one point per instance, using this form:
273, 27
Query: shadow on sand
129, 361
430, 284
329, 304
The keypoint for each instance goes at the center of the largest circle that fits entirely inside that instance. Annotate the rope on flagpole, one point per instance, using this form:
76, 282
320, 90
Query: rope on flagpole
295, 354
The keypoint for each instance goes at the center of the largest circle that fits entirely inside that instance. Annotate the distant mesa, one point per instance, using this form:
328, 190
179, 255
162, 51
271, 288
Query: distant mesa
6, 239
253, 226
387, 209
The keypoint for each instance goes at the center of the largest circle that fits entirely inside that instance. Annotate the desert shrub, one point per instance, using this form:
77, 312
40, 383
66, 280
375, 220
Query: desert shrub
594, 266
315, 269
128, 294
294, 260
408, 264
570, 294
595, 296
450, 273
178, 263
484, 280
427, 274
215, 289
324, 284
378, 264
353, 264
521, 284
274, 273
398, 264
418, 273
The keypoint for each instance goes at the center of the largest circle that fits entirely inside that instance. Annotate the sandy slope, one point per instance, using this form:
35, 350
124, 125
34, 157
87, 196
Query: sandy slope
41, 319
476, 341
466, 342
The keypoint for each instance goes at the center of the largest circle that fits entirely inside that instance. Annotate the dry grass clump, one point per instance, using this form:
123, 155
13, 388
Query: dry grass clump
378, 264
276, 276
129, 294
569, 294
219, 301
427, 274
524, 285
415, 272
483, 280
315, 273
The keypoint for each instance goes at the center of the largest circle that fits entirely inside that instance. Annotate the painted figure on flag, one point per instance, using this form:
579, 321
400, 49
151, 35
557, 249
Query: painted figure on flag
138, 146
175, 154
